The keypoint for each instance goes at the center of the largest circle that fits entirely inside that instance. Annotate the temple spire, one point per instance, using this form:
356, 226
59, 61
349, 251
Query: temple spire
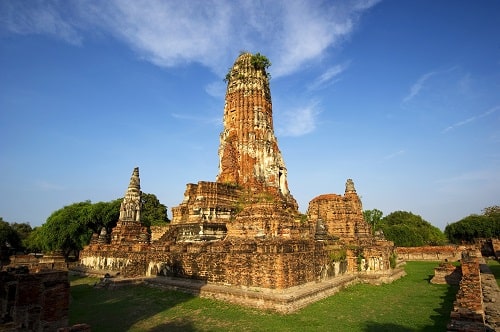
130, 208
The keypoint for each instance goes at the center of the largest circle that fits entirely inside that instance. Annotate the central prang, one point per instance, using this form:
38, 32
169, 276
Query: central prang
250, 196
248, 153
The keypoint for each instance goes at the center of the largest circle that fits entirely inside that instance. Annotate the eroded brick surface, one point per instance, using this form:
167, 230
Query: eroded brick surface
33, 301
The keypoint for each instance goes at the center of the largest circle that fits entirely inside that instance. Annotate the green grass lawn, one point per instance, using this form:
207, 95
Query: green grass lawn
495, 269
408, 304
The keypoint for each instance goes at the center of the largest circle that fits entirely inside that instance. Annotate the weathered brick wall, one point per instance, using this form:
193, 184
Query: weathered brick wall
205, 202
431, 253
468, 311
447, 274
272, 264
34, 301
496, 247
44, 262
158, 231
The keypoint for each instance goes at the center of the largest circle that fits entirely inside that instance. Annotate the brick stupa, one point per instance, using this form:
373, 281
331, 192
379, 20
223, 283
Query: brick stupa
129, 229
242, 234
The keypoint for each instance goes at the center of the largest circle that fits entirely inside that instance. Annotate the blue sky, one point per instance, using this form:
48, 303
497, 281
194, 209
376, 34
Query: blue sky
401, 96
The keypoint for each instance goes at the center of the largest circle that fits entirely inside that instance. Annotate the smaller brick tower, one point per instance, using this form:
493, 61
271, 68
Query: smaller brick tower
342, 216
129, 229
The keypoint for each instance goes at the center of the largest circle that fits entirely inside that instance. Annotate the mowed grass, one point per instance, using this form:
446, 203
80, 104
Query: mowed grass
494, 266
408, 304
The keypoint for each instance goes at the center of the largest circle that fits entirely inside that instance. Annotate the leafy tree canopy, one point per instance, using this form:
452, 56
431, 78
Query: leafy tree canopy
153, 212
70, 229
67, 229
406, 229
373, 217
475, 226
103, 214
8, 235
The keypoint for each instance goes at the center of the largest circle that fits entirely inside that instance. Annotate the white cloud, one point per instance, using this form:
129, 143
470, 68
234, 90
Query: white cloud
216, 89
210, 32
395, 154
39, 17
298, 122
422, 83
418, 86
48, 186
471, 119
328, 77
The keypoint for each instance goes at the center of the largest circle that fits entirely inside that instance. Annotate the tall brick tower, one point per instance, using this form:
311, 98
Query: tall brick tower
248, 153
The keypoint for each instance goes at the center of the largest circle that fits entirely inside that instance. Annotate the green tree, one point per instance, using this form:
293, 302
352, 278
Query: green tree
23, 230
373, 217
153, 212
8, 236
492, 211
103, 214
34, 241
70, 229
406, 229
66, 229
475, 226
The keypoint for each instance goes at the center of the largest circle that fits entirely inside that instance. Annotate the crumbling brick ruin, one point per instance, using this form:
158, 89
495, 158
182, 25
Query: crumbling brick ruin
33, 301
244, 230
449, 253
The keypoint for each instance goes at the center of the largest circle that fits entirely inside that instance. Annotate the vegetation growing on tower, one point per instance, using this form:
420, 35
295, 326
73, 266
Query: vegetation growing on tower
258, 61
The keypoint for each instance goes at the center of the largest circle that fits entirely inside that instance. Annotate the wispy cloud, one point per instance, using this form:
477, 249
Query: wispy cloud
471, 119
210, 32
299, 122
422, 83
40, 17
395, 154
330, 76
216, 89
418, 86
48, 186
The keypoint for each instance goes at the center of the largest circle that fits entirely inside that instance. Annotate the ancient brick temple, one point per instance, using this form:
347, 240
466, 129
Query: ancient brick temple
245, 229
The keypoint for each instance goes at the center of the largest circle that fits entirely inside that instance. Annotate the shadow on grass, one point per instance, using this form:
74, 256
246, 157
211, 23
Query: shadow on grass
132, 304
442, 318
378, 327
177, 326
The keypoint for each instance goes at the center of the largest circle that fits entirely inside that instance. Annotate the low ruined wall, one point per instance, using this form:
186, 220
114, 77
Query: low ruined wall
431, 253
495, 243
268, 264
447, 274
44, 262
468, 311
33, 301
